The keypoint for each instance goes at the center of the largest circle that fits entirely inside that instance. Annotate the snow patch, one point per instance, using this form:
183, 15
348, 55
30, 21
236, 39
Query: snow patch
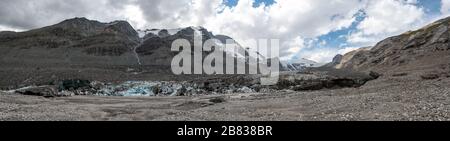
130, 88
173, 31
24, 88
154, 31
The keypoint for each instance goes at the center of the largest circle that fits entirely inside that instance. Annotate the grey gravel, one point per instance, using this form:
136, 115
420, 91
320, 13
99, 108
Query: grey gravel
397, 99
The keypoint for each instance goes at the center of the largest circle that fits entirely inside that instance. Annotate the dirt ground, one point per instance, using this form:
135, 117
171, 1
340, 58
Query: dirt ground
394, 98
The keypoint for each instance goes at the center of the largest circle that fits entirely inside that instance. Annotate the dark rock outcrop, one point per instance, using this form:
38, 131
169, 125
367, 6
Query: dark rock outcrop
44, 91
336, 60
430, 76
321, 78
74, 85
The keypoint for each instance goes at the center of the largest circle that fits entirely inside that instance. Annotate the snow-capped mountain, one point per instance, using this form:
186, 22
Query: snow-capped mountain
298, 64
240, 54
80, 41
155, 49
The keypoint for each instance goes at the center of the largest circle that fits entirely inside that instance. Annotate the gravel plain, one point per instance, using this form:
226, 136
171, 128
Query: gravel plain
404, 98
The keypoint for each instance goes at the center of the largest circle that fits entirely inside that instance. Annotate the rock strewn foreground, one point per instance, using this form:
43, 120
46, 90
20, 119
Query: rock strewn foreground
399, 98
298, 81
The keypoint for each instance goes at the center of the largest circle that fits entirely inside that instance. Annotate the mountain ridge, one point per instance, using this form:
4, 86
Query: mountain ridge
80, 48
424, 50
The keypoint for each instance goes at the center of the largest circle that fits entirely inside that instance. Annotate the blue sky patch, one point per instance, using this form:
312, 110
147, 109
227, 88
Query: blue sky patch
232, 3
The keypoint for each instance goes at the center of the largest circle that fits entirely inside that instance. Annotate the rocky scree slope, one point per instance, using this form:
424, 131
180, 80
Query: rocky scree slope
423, 51
77, 41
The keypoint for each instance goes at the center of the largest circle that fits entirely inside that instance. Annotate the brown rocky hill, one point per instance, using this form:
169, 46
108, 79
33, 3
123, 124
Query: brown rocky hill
425, 51
77, 41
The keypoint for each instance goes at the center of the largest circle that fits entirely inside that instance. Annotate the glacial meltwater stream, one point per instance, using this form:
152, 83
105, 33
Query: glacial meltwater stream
141, 41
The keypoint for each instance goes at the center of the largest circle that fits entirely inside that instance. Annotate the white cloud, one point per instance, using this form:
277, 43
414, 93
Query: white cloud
386, 18
178, 13
37, 13
296, 45
135, 16
6, 28
287, 20
325, 55
445, 7
347, 50
297, 23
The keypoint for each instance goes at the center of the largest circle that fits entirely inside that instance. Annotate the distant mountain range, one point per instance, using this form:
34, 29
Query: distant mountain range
82, 48
92, 50
80, 41
155, 49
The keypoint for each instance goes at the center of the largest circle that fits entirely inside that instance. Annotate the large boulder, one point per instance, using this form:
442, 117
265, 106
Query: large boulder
45, 91
75, 84
321, 78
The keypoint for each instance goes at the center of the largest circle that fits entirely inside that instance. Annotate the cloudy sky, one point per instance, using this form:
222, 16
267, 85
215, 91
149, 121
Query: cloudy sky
312, 29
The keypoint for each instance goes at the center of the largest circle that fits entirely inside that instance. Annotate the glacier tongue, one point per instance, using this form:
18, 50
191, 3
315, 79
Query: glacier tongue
131, 88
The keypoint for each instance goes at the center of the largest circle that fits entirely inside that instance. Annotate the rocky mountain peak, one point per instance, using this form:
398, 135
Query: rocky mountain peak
224, 39
77, 20
157, 43
337, 59
86, 27
123, 27
79, 23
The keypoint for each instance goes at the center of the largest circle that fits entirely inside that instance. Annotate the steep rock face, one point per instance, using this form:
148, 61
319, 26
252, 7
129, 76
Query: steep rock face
323, 78
348, 60
123, 27
336, 61
156, 47
426, 49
